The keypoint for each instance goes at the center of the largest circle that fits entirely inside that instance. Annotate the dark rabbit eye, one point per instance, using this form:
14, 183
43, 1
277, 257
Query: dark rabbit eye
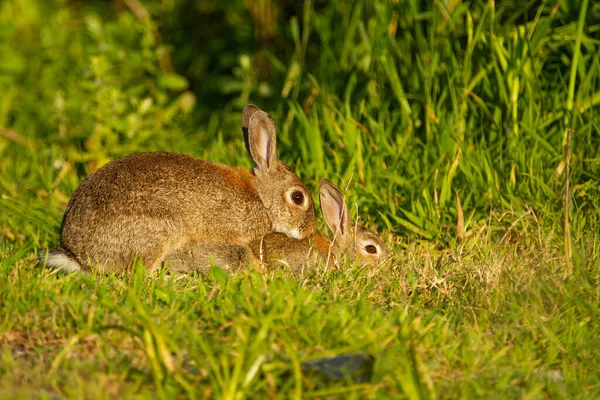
298, 198
371, 249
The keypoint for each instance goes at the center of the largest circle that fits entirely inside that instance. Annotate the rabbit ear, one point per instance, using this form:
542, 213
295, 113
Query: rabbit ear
262, 139
333, 206
249, 110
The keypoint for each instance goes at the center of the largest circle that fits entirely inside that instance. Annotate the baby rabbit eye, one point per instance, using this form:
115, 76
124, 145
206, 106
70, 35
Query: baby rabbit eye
298, 198
371, 249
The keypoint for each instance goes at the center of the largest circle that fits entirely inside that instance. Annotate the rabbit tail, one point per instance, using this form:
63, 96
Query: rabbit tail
59, 259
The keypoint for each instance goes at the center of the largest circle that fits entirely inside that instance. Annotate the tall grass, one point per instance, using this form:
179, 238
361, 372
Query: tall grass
448, 119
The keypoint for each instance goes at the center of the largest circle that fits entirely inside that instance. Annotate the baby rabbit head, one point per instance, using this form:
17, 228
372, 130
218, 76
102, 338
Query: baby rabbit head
283, 194
349, 240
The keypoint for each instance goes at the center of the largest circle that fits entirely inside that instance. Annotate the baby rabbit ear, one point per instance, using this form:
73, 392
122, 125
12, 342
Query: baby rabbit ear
262, 138
334, 208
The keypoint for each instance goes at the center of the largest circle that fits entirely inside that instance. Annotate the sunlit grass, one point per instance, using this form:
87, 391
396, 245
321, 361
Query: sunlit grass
419, 107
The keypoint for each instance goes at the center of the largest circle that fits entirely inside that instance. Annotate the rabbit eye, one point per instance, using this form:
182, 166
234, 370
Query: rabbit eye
298, 198
371, 249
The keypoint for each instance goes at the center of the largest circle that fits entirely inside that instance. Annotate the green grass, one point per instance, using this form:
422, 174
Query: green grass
418, 104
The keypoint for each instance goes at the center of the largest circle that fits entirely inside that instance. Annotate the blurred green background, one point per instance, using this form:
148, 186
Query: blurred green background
418, 102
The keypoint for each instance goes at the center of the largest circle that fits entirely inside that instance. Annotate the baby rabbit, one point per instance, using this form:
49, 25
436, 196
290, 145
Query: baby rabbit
275, 249
350, 242
154, 206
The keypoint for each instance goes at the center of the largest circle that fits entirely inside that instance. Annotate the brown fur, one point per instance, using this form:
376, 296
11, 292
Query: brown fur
276, 249
349, 242
154, 206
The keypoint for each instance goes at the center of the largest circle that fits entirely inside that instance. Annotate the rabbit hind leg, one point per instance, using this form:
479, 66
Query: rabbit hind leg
190, 257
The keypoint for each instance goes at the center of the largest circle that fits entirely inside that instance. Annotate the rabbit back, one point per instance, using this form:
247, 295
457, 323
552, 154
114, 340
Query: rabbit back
142, 205
276, 249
